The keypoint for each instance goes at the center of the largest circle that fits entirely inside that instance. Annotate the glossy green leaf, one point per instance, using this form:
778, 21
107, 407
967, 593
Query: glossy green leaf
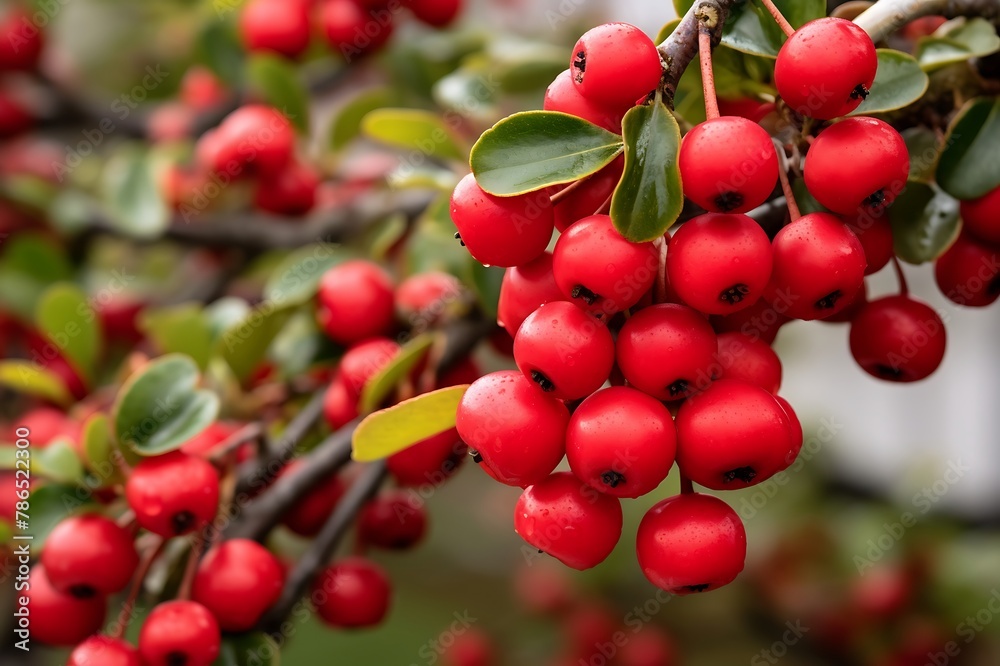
51, 504
521, 66
751, 29
181, 329
391, 430
296, 279
132, 194
244, 345
102, 456
160, 406
899, 83
65, 316
381, 386
58, 462
924, 222
225, 313
276, 81
534, 149
804, 198
218, 47
30, 379
957, 42
667, 30
413, 129
649, 197
347, 123
969, 166
248, 650
29, 263
923, 146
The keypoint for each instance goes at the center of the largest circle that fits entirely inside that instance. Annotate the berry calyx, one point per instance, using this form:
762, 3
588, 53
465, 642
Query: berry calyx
351, 594
61, 619
89, 555
276, 25
981, 217
355, 302
179, 633
969, 272
523, 289
567, 519
173, 494
237, 581
898, 339
691, 543
826, 68
104, 651
394, 520
621, 442
615, 63
564, 96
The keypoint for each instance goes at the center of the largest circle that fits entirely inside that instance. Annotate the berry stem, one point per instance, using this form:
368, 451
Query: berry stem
125, 616
707, 76
568, 190
248, 433
197, 547
904, 288
786, 186
606, 206
687, 487
785, 26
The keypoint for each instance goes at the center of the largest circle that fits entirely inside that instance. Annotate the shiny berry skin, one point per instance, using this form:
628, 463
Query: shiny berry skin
501, 231
173, 494
394, 520
365, 360
969, 272
524, 289
237, 581
340, 404
436, 13
797, 438
21, 40
307, 516
355, 302
518, 430
179, 632
600, 271
819, 263
564, 96
89, 554
427, 298
826, 68
61, 619
621, 442
719, 264
898, 339
857, 164
428, 462
589, 198
733, 435
350, 29
691, 543
291, 192
351, 594
253, 140
667, 351
749, 360
565, 351
728, 165
874, 231
281, 26
615, 63
104, 651
567, 519
981, 217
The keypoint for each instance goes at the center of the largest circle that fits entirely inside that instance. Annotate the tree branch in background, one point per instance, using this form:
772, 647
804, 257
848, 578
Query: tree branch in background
888, 16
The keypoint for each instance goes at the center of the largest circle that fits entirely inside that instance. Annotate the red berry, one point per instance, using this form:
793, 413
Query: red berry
61, 619
104, 651
874, 231
292, 192
437, 13
365, 360
309, 514
898, 339
340, 404
253, 140
621, 442
431, 461
820, 264
205, 443
981, 217
21, 40
352, 30
615, 63
393, 520
826, 69
590, 197
355, 302
569, 520
469, 648
179, 632
728, 165
352, 593
564, 350
691, 543
201, 89
564, 96
15, 115
746, 107
427, 298
524, 289
89, 554
600, 271
719, 264
734, 435
46, 424
667, 351
501, 231
796, 429
969, 272
649, 647
173, 494
749, 360
237, 581
857, 163
276, 25
517, 430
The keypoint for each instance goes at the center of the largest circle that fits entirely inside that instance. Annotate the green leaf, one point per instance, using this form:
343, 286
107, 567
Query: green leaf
298, 344
65, 316
922, 145
248, 650
28, 191
181, 329
959, 41
276, 81
296, 279
413, 129
521, 66
30, 379
132, 194
244, 345
431, 245
218, 47
924, 222
391, 430
468, 91
969, 166
486, 284
649, 197
379, 238
160, 407
51, 504
379, 387
99, 449
59, 462
899, 83
804, 198
667, 29
347, 123
751, 28
534, 149
28, 264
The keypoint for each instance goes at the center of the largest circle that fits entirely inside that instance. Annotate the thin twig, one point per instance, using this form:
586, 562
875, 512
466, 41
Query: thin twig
785, 26
125, 616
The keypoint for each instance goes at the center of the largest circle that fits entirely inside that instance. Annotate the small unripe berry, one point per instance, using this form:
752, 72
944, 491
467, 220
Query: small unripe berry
524, 289
179, 632
615, 63
969, 272
898, 339
237, 581
353, 593
173, 494
89, 554
355, 302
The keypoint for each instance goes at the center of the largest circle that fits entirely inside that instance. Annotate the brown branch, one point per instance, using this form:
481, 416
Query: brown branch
887, 16
681, 47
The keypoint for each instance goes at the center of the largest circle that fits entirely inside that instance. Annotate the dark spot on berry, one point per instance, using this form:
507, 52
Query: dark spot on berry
581, 292
182, 522
680, 387
612, 478
176, 659
458, 237
744, 474
476, 457
829, 301
728, 201
579, 65
734, 294
889, 372
993, 288
543, 382
82, 591
696, 588
876, 200
860, 92
541, 552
